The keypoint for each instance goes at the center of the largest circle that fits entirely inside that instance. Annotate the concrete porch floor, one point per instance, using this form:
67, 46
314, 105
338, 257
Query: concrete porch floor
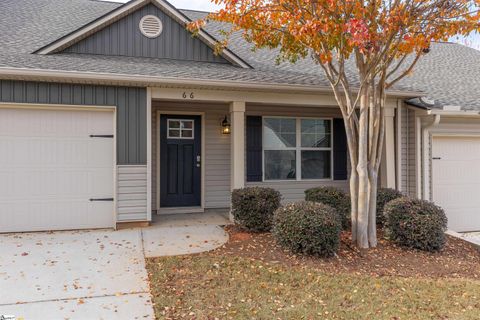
210, 217
180, 234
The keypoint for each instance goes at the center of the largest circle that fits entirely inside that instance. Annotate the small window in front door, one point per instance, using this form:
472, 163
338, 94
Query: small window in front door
180, 129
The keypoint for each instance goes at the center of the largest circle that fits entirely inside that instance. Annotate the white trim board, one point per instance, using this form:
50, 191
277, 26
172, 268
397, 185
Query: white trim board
149, 154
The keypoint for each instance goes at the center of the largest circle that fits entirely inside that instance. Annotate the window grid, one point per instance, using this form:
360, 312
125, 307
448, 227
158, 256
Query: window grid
183, 130
298, 148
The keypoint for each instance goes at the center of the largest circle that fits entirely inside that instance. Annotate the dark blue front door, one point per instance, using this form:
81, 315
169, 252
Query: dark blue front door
180, 161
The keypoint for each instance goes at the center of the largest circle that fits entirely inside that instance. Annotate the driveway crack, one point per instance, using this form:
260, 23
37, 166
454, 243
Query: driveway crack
77, 298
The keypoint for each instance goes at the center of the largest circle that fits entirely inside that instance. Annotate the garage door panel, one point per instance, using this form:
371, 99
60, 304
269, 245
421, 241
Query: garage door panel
96, 152
468, 222
453, 172
457, 196
50, 168
456, 180
42, 215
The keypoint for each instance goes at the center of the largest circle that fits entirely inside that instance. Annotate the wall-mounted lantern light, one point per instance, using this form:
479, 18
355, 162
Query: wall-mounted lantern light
226, 126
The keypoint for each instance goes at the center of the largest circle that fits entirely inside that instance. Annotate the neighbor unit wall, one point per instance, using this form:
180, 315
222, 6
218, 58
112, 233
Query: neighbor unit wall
408, 183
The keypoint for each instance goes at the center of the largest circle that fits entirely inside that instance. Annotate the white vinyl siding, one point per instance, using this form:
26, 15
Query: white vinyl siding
131, 193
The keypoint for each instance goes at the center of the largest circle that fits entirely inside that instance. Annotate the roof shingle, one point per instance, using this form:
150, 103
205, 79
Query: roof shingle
449, 74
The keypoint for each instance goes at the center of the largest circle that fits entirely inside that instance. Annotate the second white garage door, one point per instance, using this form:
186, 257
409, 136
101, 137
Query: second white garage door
54, 168
456, 180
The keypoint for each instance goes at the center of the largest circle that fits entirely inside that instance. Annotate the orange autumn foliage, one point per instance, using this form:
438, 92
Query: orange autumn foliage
326, 28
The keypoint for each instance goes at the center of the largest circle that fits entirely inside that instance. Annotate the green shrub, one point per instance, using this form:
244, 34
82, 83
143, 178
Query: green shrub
253, 207
308, 228
384, 196
415, 224
335, 198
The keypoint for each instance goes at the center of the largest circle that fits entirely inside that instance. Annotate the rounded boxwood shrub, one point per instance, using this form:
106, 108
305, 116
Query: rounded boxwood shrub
307, 227
415, 224
384, 196
253, 207
333, 197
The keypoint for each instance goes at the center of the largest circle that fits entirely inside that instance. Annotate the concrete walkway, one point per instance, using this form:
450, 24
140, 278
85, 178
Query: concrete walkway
471, 237
184, 234
96, 274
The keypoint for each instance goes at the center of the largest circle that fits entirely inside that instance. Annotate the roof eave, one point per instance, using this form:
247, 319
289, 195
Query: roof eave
460, 113
143, 80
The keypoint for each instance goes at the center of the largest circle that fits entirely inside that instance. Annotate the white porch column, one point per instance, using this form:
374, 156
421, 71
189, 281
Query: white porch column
388, 172
237, 148
149, 154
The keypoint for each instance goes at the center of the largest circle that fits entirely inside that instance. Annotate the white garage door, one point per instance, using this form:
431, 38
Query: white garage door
456, 180
52, 172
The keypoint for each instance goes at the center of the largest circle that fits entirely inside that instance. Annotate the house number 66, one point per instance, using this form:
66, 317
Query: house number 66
184, 95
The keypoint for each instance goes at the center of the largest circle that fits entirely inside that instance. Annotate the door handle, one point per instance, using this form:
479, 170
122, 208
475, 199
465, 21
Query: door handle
436, 158
108, 136
101, 199
199, 160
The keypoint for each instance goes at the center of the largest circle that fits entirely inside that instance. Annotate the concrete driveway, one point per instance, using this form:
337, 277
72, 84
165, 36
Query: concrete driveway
96, 274
74, 275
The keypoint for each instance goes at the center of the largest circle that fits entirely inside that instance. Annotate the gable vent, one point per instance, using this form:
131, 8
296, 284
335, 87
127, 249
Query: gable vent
151, 26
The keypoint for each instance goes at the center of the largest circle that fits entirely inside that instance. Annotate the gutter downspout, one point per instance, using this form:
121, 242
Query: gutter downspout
426, 161
399, 146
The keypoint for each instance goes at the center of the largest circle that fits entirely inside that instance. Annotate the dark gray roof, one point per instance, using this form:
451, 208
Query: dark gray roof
449, 74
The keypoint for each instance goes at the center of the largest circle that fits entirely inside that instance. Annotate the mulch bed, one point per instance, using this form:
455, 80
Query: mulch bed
458, 259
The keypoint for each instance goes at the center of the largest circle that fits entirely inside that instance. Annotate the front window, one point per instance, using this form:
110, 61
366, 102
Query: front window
297, 148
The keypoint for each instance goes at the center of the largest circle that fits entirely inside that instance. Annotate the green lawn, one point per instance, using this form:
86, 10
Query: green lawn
221, 287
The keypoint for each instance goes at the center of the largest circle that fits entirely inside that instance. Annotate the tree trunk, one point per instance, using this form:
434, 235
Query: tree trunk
372, 220
362, 170
354, 201
365, 133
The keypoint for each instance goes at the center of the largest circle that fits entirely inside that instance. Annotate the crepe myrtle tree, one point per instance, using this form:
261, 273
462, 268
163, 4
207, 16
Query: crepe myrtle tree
378, 41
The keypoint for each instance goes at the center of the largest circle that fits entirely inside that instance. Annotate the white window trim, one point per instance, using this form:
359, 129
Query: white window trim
180, 129
298, 149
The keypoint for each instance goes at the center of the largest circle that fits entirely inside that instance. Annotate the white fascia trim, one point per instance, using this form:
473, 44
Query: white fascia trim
466, 113
125, 9
59, 76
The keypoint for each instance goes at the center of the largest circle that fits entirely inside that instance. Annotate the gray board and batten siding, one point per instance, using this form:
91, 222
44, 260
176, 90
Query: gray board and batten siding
124, 38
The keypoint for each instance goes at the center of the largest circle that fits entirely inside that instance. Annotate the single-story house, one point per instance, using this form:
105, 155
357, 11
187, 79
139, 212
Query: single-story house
111, 113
